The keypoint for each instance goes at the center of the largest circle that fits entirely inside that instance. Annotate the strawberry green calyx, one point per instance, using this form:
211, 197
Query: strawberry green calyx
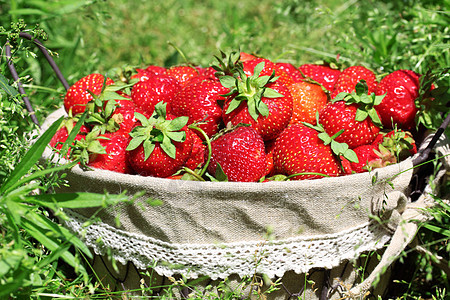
250, 89
157, 129
227, 64
83, 148
339, 149
366, 103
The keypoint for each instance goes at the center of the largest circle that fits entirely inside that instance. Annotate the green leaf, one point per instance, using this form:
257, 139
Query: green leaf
375, 117
178, 123
262, 80
351, 155
178, 136
168, 147
73, 133
140, 117
258, 68
228, 81
271, 93
233, 105
31, 157
135, 142
220, 174
378, 99
160, 109
253, 109
11, 261
361, 115
39, 174
325, 137
361, 87
262, 108
7, 88
339, 97
41, 233
96, 147
76, 200
148, 148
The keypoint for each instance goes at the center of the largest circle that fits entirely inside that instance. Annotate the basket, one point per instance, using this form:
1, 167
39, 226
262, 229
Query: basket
308, 239
291, 232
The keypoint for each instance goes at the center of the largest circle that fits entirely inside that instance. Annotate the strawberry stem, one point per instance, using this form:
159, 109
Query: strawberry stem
208, 144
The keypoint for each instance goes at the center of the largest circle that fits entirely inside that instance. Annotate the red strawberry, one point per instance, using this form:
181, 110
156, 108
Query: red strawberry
198, 100
259, 101
298, 149
323, 74
208, 72
146, 94
354, 114
157, 70
142, 74
308, 99
240, 153
370, 157
197, 157
115, 157
77, 95
291, 70
398, 106
243, 56
161, 145
350, 76
182, 73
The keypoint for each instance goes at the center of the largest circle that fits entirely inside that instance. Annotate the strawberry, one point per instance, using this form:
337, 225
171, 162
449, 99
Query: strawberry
198, 100
182, 73
157, 70
370, 157
78, 95
243, 56
350, 76
387, 148
142, 74
197, 157
240, 153
323, 74
160, 145
262, 102
146, 94
291, 70
308, 98
355, 115
298, 149
398, 106
115, 157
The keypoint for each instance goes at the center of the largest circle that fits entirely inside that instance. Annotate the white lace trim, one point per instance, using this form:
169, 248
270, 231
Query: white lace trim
273, 258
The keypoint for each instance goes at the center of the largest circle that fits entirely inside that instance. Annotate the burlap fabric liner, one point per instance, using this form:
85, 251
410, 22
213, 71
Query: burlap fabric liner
218, 228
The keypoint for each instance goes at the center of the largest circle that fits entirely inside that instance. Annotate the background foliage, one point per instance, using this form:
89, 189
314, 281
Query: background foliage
94, 35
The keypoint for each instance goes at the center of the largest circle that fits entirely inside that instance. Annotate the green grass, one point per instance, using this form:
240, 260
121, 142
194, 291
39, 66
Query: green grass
89, 35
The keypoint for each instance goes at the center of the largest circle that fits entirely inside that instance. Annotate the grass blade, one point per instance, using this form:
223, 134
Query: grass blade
77, 200
31, 157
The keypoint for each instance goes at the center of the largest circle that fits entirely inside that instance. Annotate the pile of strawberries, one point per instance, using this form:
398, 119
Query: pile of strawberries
245, 118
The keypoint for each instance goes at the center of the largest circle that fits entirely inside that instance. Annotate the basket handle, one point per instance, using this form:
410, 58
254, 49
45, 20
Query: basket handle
15, 76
